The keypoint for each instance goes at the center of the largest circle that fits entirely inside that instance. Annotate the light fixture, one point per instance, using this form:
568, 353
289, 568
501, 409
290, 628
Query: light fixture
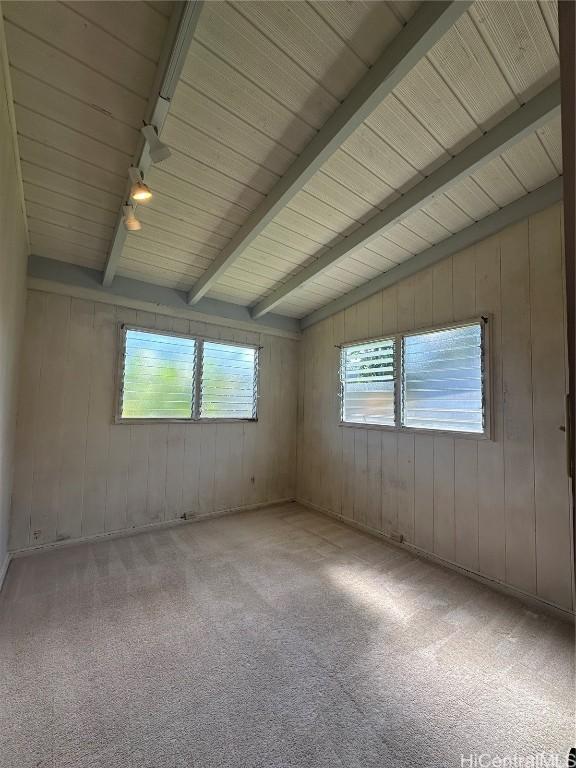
131, 223
138, 190
157, 149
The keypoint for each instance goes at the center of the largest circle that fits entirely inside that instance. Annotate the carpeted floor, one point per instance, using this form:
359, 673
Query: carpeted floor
269, 639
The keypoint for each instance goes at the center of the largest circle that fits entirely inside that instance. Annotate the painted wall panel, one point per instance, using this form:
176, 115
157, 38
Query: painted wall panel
79, 474
497, 507
13, 253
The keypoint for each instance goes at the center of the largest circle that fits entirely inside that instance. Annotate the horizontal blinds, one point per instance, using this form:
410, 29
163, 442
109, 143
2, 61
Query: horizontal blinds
443, 380
158, 378
367, 375
228, 386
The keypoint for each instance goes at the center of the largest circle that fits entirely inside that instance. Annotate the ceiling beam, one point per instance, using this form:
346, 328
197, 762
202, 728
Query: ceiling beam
176, 44
517, 211
420, 34
82, 282
512, 129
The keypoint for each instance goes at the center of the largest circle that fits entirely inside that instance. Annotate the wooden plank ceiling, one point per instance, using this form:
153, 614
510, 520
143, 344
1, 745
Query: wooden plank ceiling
259, 81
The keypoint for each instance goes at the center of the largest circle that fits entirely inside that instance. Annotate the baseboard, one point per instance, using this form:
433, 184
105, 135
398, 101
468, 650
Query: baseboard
123, 532
4, 568
529, 600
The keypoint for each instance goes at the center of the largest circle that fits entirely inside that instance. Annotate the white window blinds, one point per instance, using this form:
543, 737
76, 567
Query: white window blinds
229, 377
158, 380
442, 387
368, 383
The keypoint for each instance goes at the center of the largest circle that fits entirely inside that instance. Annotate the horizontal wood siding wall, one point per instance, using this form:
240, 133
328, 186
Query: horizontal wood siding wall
78, 474
499, 508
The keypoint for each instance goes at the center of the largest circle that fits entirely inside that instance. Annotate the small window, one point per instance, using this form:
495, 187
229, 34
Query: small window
172, 377
433, 380
368, 383
442, 382
158, 376
228, 381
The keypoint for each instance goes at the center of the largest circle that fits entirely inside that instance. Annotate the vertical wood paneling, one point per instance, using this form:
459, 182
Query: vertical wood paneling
14, 251
518, 409
464, 285
405, 521
76, 391
553, 546
323, 403
374, 478
45, 480
360, 474
28, 410
222, 486
491, 521
207, 474
424, 492
335, 433
79, 474
466, 503
444, 528
313, 462
301, 474
102, 366
423, 297
265, 461
498, 507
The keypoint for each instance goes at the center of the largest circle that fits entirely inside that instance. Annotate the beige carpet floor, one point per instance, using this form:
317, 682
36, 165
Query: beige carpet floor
269, 639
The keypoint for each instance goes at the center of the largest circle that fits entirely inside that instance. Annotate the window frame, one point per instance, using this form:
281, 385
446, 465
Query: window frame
483, 321
195, 417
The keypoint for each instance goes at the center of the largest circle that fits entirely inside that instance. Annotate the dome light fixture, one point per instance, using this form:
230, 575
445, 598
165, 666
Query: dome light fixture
131, 223
138, 190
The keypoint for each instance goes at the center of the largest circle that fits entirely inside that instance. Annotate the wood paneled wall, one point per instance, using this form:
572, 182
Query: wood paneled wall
499, 508
78, 474
13, 253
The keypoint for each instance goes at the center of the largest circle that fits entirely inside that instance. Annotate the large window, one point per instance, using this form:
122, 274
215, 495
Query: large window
172, 377
433, 380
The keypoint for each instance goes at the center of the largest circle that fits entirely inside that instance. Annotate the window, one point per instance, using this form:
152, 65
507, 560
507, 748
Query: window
368, 385
159, 374
228, 381
442, 381
433, 380
168, 376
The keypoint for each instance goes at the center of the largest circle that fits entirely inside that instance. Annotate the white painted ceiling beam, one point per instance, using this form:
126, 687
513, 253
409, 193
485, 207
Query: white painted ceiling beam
178, 38
427, 26
517, 211
512, 129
